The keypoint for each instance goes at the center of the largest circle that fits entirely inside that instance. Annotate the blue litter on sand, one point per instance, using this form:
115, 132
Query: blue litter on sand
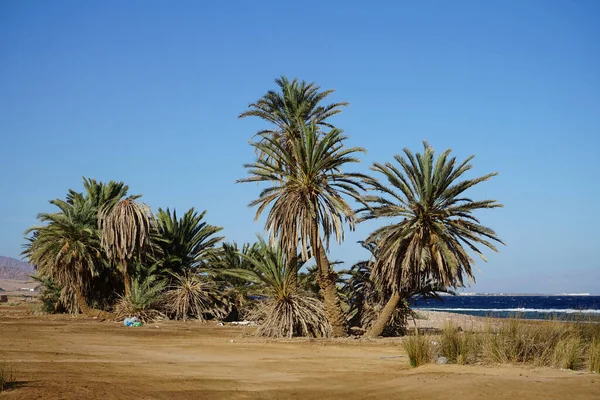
133, 321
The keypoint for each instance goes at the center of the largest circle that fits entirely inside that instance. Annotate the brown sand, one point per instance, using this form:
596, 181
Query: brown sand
61, 357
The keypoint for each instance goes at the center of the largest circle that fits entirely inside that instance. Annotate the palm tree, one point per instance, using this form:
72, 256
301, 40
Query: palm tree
145, 298
434, 224
67, 251
287, 311
125, 232
75, 227
238, 291
365, 297
306, 200
231, 256
195, 295
186, 242
298, 104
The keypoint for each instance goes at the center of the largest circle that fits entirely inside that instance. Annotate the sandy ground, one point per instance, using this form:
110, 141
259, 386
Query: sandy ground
61, 357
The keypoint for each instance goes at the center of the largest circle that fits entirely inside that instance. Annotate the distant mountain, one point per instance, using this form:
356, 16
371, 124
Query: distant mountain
11, 268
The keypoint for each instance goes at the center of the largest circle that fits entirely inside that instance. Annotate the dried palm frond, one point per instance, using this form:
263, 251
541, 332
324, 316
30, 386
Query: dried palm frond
285, 311
192, 295
296, 315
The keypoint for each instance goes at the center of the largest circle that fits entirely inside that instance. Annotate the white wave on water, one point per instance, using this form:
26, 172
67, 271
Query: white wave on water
516, 310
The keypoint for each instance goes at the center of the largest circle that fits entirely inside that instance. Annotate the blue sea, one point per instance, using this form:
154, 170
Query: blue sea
565, 307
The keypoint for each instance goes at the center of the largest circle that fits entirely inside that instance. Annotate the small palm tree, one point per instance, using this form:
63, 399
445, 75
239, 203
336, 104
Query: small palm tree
433, 226
194, 295
231, 257
67, 248
238, 291
125, 232
145, 299
306, 200
67, 251
286, 311
298, 103
187, 242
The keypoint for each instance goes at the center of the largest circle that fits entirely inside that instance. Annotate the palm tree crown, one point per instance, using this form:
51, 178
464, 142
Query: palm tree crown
436, 220
125, 229
297, 104
186, 242
67, 249
307, 187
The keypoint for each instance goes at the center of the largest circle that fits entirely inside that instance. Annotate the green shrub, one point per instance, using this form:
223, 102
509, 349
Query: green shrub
50, 295
419, 350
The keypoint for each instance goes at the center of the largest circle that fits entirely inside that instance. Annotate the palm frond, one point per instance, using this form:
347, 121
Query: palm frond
432, 226
145, 300
286, 311
186, 243
195, 296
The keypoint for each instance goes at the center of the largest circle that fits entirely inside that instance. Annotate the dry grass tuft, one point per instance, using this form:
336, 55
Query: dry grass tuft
457, 346
594, 355
568, 353
419, 350
518, 341
559, 344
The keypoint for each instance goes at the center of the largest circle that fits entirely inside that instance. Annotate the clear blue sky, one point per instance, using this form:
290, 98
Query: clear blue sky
148, 92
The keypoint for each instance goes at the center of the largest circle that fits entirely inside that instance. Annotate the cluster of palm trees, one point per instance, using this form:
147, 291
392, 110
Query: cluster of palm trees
106, 252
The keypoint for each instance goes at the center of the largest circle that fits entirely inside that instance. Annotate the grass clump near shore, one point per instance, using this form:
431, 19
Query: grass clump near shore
419, 349
568, 354
457, 346
556, 344
594, 356
7, 379
549, 343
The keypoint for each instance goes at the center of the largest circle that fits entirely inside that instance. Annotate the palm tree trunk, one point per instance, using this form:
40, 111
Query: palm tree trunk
82, 302
327, 283
292, 264
126, 279
384, 317
87, 310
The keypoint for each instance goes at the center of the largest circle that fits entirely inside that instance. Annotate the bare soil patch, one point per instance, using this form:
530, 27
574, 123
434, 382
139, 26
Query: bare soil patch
62, 357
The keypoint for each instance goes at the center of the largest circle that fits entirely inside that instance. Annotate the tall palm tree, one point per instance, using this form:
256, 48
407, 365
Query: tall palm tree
75, 226
125, 232
67, 250
306, 199
434, 225
186, 242
297, 103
